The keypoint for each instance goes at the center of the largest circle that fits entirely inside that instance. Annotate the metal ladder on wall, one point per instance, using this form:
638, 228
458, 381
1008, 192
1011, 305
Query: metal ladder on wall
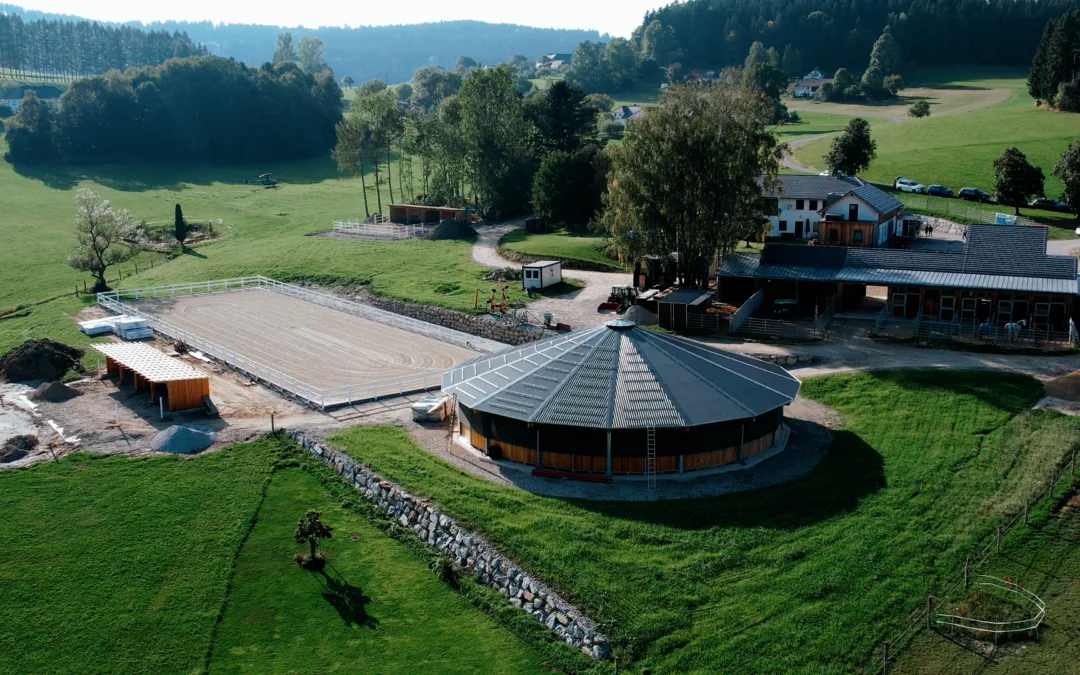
650, 459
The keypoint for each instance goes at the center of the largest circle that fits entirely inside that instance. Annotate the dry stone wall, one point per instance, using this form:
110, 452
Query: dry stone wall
469, 550
784, 359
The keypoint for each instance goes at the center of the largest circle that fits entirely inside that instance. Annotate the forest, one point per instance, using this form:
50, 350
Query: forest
59, 50
202, 108
390, 53
840, 33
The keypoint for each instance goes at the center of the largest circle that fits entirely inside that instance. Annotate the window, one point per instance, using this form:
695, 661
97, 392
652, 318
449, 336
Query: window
771, 207
799, 205
783, 226
853, 212
856, 236
813, 205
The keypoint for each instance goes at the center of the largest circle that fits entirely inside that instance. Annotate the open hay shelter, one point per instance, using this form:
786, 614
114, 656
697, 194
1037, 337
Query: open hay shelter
184, 386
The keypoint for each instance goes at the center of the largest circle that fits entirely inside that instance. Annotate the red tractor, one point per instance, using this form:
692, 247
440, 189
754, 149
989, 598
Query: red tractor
621, 299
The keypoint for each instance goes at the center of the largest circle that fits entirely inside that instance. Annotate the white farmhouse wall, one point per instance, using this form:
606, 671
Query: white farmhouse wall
790, 213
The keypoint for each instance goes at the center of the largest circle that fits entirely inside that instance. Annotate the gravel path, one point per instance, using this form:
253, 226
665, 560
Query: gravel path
789, 156
577, 308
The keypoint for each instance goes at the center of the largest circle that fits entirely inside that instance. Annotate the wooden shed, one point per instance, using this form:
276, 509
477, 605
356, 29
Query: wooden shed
415, 214
678, 304
184, 386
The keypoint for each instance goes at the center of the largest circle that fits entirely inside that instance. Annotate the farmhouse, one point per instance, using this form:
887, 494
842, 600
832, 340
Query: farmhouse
810, 85
838, 210
1001, 275
620, 399
625, 113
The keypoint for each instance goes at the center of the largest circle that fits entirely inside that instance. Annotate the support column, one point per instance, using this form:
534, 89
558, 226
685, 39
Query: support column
608, 471
539, 458
742, 437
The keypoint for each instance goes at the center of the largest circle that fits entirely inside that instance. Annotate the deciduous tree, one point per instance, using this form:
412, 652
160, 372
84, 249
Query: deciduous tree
310, 529
686, 177
920, 108
106, 236
309, 53
853, 150
1068, 170
1016, 181
283, 50
887, 55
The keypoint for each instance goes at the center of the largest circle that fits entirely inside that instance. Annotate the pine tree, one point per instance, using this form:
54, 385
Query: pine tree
180, 226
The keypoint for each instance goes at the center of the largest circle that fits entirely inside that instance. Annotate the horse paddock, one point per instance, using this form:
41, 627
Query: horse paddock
318, 349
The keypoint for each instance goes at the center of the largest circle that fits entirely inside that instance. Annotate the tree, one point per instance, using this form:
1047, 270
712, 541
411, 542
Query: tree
106, 237
495, 138
760, 55
1068, 170
283, 50
568, 187
622, 61
792, 62
5, 111
1057, 58
563, 117
920, 108
770, 81
853, 150
404, 92
180, 226
590, 68
431, 85
675, 73
1015, 180
886, 55
311, 529
371, 87
611, 129
464, 65
658, 43
893, 84
843, 85
310, 54
31, 135
347, 81
601, 102
703, 203
352, 140
873, 83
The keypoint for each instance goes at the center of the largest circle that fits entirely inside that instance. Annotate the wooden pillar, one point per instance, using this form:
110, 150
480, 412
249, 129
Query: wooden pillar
742, 438
539, 459
608, 472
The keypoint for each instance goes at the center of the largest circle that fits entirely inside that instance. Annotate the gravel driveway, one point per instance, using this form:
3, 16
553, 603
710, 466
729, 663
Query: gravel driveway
577, 308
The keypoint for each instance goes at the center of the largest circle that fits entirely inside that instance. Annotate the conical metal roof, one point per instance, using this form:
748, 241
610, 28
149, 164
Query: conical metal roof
620, 376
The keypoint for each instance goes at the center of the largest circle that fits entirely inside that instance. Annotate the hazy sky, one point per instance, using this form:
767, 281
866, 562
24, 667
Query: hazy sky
616, 18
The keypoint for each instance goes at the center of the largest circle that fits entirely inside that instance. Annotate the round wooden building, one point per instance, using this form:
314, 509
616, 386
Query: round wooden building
619, 399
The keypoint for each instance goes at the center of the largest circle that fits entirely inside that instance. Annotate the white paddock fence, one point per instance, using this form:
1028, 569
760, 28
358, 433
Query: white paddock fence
121, 303
379, 230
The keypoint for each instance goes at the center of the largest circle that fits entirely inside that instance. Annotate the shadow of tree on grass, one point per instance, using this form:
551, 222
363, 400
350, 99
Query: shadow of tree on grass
349, 601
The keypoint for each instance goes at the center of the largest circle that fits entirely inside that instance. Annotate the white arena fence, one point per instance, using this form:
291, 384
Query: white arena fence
379, 230
118, 301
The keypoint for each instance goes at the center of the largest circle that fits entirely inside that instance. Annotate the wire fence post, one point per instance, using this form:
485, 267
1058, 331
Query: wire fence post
1053, 482
929, 609
1027, 504
1074, 462
885, 658
967, 564
998, 547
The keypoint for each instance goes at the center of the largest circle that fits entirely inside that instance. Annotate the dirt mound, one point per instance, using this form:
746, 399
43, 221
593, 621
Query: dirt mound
53, 392
1065, 387
640, 316
184, 439
16, 448
39, 360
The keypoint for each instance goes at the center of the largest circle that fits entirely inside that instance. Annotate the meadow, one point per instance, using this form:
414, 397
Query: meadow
172, 564
808, 576
562, 243
957, 149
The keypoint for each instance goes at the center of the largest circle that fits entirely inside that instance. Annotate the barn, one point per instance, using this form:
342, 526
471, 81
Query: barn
619, 399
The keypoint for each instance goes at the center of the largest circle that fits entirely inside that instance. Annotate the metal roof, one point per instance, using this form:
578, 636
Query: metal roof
686, 296
149, 362
881, 201
620, 376
542, 263
796, 186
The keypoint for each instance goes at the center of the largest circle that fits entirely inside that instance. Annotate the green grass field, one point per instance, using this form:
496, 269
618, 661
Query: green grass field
825, 566
958, 150
124, 565
562, 243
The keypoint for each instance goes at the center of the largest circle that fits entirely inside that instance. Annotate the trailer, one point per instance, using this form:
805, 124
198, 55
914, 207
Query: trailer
541, 274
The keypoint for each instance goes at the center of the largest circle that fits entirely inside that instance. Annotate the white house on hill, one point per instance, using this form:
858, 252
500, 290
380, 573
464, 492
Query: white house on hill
797, 210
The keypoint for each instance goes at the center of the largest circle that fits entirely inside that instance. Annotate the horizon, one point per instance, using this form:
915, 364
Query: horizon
558, 14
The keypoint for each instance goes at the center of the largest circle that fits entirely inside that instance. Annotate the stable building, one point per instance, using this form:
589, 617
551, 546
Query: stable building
183, 387
619, 399
1002, 274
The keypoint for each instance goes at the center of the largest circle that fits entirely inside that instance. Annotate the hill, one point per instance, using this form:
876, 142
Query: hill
391, 53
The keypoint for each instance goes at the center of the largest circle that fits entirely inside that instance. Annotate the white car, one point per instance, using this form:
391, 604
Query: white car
905, 185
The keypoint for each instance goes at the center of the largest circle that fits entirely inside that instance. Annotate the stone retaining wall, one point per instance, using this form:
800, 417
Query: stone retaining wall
481, 325
942, 225
466, 549
567, 263
783, 359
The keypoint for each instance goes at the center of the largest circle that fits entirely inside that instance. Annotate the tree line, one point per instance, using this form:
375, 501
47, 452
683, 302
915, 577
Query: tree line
1055, 69
64, 50
202, 108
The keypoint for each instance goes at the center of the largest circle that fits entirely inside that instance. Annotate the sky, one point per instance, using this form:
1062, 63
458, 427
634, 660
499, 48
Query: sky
617, 19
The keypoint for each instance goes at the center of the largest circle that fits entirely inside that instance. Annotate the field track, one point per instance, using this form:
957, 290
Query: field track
315, 344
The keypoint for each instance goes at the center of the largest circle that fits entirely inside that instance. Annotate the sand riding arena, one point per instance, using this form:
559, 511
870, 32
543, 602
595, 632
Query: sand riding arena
317, 347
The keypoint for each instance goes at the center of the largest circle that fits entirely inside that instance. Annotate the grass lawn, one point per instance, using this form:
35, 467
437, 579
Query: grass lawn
803, 577
1061, 225
958, 150
375, 603
120, 564
562, 243
1044, 559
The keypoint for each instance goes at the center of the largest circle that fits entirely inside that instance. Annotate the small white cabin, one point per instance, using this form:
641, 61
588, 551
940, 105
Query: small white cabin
541, 274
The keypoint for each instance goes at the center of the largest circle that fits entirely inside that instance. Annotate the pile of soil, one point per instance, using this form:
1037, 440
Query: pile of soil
1065, 387
184, 439
39, 360
16, 448
53, 392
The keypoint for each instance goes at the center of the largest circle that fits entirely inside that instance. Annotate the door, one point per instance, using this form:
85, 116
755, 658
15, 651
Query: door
853, 212
899, 305
948, 307
798, 229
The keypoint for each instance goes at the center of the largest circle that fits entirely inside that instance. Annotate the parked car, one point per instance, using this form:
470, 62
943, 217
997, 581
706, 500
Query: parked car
939, 191
1049, 204
904, 185
973, 195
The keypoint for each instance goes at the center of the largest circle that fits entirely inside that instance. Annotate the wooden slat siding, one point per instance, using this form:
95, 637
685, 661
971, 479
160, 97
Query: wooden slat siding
626, 464
558, 460
697, 461
187, 394
514, 453
725, 456
758, 445
590, 464
476, 439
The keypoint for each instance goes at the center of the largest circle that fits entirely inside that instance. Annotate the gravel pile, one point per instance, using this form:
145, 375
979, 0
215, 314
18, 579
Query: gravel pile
184, 439
53, 392
640, 316
39, 360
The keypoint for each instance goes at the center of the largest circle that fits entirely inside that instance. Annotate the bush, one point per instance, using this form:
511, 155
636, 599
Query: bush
612, 130
5, 111
1068, 96
919, 109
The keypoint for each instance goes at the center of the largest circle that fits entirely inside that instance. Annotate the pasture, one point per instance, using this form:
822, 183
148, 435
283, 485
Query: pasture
132, 562
807, 576
565, 244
